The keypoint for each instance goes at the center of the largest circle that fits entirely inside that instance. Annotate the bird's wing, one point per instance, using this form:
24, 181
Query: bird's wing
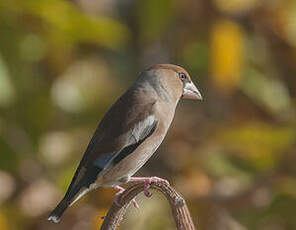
141, 130
126, 125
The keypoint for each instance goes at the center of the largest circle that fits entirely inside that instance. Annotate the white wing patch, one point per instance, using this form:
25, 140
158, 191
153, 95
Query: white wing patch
142, 128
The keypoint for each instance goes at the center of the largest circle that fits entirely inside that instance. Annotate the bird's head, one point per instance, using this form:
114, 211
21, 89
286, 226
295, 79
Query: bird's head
176, 81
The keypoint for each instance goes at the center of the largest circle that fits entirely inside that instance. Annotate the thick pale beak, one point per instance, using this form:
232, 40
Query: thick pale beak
191, 92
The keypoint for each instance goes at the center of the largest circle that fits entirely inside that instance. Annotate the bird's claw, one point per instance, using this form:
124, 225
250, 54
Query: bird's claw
135, 204
147, 183
116, 197
146, 188
156, 179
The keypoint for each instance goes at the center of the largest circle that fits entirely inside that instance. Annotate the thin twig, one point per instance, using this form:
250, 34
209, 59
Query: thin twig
178, 205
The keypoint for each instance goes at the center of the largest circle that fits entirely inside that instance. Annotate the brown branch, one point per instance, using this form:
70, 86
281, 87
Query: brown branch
178, 205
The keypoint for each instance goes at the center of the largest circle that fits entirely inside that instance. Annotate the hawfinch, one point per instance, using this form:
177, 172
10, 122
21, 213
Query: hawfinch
130, 133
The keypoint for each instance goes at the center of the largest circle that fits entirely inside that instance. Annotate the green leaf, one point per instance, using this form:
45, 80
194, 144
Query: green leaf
74, 26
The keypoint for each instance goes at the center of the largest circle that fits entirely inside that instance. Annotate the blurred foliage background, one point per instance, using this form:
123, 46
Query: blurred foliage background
63, 63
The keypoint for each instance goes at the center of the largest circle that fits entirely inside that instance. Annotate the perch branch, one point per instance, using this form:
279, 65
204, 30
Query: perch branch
178, 206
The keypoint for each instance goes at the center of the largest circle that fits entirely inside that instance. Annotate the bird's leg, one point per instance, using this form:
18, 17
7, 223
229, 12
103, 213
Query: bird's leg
147, 182
119, 191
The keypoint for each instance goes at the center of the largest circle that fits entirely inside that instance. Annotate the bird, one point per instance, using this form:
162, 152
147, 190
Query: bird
129, 134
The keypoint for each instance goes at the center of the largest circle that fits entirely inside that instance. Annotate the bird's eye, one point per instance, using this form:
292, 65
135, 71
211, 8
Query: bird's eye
182, 76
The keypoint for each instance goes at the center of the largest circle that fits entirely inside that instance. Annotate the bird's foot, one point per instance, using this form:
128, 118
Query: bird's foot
147, 182
119, 191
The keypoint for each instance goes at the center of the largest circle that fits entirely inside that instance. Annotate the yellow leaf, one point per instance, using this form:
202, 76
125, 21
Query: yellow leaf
98, 218
226, 55
3, 222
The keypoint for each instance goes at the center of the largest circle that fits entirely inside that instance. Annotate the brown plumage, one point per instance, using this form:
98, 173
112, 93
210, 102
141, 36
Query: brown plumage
130, 132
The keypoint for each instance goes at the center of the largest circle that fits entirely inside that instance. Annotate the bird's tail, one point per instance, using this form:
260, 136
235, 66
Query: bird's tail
68, 200
57, 213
